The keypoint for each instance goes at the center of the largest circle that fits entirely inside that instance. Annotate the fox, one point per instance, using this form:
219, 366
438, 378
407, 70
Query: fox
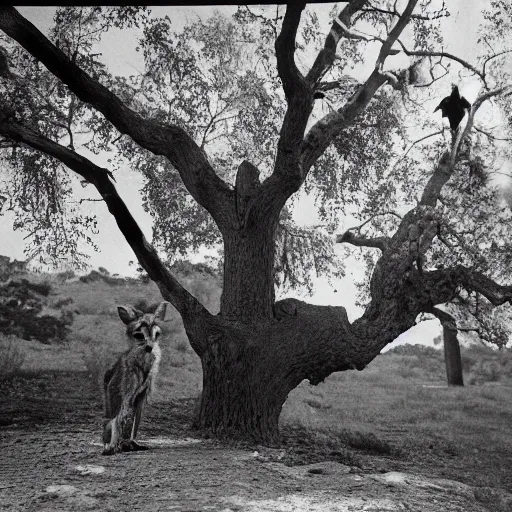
130, 380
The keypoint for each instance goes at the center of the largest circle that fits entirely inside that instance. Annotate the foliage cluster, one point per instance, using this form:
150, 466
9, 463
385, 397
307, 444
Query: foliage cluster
21, 304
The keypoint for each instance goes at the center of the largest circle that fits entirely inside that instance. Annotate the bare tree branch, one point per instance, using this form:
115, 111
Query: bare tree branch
494, 56
378, 242
491, 136
441, 13
440, 132
171, 141
424, 53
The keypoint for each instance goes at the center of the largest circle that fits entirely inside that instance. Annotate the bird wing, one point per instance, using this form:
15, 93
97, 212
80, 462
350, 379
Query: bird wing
441, 105
464, 103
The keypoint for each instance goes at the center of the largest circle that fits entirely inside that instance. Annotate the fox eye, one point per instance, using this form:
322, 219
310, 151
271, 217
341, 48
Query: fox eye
138, 335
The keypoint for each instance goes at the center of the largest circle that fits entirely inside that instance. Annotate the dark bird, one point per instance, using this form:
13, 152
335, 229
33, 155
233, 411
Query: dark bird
453, 107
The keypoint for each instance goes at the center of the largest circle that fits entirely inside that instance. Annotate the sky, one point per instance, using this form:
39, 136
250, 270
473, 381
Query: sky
118, 52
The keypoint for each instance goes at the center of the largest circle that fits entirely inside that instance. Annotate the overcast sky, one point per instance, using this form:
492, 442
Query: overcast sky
118, 49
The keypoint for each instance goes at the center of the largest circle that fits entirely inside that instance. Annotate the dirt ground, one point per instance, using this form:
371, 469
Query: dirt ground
51, 461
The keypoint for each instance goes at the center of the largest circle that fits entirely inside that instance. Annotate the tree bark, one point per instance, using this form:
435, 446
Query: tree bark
248, 290
452, 357
249, 370
241, 397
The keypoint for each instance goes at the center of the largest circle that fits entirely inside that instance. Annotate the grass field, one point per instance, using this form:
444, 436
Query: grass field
397, 414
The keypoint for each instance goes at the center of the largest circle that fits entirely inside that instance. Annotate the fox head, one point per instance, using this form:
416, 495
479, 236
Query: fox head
142, 328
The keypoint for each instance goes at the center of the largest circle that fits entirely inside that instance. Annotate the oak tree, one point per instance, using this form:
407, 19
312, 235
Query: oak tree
288, 121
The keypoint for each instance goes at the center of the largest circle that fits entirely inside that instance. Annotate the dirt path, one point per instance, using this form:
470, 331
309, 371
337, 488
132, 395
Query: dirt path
46, 466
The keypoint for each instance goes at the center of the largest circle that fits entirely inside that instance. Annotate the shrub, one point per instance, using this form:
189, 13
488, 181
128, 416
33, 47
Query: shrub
95, 276
484, 364
187, 268
12, 357
64, 276
415, 350
21, 302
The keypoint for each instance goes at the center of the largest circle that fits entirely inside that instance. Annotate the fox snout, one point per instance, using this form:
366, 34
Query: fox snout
148, 348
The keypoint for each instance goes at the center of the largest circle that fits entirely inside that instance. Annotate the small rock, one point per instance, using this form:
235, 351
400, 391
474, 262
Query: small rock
316, 471
61, 490
89, 469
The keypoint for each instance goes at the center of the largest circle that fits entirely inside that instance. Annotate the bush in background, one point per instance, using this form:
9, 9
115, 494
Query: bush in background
21, 303
485, 364
94, 276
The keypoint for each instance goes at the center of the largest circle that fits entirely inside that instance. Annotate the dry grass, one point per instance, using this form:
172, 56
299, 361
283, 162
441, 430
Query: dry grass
12, 357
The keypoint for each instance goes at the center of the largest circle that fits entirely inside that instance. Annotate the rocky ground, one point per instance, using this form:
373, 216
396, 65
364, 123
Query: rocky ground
51, 461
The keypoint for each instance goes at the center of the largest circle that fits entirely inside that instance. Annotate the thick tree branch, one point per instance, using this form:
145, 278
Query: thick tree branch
327, 55
326, 129
444, 285
395, 33
287, 176
439, 178
171, 141
285, 50
349, 238
171, 289
380, 242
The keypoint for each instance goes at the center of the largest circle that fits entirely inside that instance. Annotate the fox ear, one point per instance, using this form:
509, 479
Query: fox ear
161, 310
127, 314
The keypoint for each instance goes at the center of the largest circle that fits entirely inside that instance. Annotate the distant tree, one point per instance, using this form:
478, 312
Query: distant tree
224, 146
